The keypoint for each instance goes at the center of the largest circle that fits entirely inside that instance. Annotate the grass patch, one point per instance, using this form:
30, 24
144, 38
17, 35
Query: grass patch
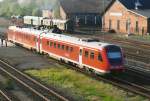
81, 86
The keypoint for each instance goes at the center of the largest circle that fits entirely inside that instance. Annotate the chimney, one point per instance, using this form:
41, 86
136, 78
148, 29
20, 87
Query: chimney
137, 4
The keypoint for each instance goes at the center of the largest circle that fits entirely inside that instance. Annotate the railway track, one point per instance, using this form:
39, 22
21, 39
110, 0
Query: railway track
139, 66
137, 57
4, 96
41, 92
121, 83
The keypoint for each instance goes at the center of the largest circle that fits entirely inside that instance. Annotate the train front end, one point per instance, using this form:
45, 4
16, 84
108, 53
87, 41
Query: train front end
115, 58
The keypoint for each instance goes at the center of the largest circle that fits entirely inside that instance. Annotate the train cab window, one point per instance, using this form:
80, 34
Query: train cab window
86, 54
54, 44
100, 57
62, 47
51, 44
71, 49
92, 55
59, 46
67, 48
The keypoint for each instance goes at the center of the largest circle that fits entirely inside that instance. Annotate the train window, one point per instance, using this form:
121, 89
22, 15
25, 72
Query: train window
92, 55
54, 44
86, 54
62, 47
48, 43
51, 44
67, 48
100, 57
71, 49
35, 39
80, 51
59, 46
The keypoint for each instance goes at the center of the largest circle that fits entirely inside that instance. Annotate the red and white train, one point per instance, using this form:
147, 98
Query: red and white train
85, 53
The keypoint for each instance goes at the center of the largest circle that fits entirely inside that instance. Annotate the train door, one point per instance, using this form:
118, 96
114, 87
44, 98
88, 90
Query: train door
38, 43
80, 56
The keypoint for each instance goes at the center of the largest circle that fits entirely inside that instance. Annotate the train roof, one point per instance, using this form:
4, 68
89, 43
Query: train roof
33, 17
27, 30
87, 42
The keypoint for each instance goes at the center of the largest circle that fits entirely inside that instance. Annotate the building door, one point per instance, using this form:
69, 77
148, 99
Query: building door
118, 25
128, 24
110, 24
137, 27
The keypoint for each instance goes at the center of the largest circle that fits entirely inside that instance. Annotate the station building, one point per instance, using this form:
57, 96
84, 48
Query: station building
128, 16
83, 12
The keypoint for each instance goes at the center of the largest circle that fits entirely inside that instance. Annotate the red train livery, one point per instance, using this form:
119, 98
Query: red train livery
85, 53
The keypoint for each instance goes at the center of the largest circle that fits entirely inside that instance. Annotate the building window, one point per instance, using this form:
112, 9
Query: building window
137, 27
92, 55
110, 24
86, 54
143, 30
100, 57
127, 26
118, 24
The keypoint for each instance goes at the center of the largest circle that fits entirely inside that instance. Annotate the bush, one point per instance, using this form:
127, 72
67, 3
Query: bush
9, 85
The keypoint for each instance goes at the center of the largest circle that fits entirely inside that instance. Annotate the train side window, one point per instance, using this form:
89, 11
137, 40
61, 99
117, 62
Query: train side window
71, 49
34, 39
67, 48
92, 55
48, 43
54, 44
62, 47
100, 57
51, 44
86, 54
59, 46
80, 51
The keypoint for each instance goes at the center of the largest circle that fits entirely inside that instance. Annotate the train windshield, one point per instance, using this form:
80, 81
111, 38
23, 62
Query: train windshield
114, 55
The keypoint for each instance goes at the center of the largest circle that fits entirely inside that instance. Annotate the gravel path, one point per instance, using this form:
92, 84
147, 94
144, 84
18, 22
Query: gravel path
22, 58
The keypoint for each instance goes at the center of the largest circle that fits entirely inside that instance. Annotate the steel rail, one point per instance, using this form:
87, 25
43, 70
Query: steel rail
5, 96
36, 82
